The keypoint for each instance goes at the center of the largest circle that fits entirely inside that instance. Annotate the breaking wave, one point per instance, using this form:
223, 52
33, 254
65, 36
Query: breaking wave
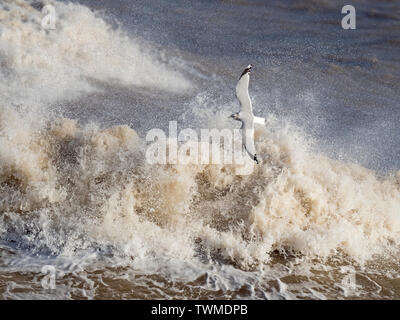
44, 66
295, 201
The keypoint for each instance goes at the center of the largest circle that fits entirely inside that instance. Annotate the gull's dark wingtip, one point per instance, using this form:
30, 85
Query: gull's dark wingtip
255, 159
247, 70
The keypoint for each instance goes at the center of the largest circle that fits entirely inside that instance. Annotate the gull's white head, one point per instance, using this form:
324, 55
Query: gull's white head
246, 71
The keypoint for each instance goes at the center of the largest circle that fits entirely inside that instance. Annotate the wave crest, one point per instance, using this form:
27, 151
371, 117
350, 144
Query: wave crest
53, 64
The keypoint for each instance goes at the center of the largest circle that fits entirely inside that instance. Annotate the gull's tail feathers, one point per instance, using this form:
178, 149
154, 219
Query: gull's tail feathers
259, 120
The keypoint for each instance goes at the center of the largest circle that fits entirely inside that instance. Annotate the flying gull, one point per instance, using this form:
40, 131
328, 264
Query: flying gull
245, 115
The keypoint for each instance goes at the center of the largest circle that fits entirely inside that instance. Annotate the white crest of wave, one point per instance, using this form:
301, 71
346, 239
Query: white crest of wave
49, 64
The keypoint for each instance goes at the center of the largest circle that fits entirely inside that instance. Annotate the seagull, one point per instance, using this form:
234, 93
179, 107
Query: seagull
245, 115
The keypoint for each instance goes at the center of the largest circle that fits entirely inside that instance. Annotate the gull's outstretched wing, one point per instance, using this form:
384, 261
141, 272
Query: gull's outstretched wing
248, 139
242, 91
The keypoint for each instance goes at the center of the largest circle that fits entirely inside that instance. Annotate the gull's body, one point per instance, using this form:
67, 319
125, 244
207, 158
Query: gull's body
245, 115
